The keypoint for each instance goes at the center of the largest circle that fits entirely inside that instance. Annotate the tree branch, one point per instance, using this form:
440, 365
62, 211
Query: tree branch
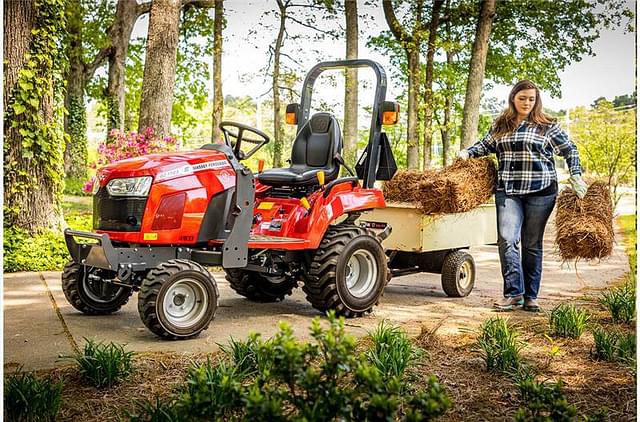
90, 69
143, 8
198, 3
394, 25
311, 26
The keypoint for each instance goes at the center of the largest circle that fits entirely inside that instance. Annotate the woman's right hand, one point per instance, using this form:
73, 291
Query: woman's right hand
464, 154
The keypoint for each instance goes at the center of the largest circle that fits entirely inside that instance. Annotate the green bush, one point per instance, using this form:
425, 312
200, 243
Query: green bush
104, 365
614, 346
568, 321
392, 350
543, 402
500, 345
41, 252
30, 399
155, 411
621, 302
284, 379
73, 186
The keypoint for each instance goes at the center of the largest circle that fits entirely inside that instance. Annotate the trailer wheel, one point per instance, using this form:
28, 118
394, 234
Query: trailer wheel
458, 274
259, 288
91, 295
178, 299
347, 273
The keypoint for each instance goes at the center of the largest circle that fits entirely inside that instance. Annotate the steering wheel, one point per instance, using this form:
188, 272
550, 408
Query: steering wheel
234, 139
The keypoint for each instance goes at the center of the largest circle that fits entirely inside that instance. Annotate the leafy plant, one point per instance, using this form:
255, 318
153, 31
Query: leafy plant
614, 345
621, 302
29, 398
155, 411
568, 321
244, 354
543, 402
392, 350
500, 345
45, 251
104, 365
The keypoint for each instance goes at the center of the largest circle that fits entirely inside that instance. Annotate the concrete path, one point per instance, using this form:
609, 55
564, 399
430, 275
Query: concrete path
40, 327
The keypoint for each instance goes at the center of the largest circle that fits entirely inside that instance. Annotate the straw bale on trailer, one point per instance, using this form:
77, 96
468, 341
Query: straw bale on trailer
460, 187
584, 227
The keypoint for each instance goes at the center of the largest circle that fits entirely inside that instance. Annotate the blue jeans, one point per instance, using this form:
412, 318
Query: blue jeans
521, 223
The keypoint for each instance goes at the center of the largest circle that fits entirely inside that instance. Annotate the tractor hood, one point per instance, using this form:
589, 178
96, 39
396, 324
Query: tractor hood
164, 166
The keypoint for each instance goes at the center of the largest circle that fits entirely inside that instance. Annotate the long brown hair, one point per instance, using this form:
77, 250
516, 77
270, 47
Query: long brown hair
507, 121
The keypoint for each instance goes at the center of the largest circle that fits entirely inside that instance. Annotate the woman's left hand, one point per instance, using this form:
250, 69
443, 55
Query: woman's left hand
578, 185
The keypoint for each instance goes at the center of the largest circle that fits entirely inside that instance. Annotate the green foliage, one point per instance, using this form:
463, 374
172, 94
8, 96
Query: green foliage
74, 186
500, 345
392, 351
568, 321
28, 398
628, 224
76, 148
104, 365
283, 379
606, 140
45, 251
614, 345
621, 302
154, 411
543, 402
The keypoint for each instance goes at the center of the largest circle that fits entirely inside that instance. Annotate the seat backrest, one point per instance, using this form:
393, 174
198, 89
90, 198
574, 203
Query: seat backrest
317, 143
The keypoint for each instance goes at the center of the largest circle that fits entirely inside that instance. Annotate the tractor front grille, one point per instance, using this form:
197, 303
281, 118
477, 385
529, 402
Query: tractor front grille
115, 213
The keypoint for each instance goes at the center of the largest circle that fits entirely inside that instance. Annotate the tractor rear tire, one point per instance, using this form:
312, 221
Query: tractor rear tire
92, 297
458, 274
258, 288
347, 273
170, 288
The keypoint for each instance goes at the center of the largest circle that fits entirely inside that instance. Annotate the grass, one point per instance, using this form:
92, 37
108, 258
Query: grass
621, 302
568, 321
244, 354
392, 351
614, 345
30, 399
628, 225
500, 345
155, 410
104, 365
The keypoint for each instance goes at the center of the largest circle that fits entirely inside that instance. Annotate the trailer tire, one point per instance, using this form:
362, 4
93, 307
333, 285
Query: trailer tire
458, 274
92, 297
347, 273
259, 288
168, 289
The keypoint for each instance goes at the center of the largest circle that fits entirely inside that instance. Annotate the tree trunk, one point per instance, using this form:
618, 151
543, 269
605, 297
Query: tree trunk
278, 133
127, 13
413, 147
471, 111
428, 83
351, 84
75, 123
31, 192
448, 104
218, 103
160, 67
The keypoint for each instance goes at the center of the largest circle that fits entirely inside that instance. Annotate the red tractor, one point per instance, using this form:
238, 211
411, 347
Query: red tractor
160, 219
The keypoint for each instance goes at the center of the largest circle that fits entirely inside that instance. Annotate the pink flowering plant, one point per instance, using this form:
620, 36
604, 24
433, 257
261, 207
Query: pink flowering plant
120, 146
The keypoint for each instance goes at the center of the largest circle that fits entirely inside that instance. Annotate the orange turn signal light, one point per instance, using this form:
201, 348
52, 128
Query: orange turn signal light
260, 165
291, 119
390, 117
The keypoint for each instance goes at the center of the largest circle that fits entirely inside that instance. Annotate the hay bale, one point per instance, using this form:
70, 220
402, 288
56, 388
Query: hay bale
584, 227
460, 187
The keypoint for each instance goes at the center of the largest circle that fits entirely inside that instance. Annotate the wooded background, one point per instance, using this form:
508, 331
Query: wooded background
61, 56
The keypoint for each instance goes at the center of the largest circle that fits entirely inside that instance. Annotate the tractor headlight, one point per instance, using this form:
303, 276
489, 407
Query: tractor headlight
130, 186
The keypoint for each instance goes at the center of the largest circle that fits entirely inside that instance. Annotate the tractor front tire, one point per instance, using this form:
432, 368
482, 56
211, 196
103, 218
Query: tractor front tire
458, 274
92, 296
347, 273
178, 299
259, 288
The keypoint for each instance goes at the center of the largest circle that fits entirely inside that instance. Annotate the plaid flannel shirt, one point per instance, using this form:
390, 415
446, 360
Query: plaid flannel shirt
525, 157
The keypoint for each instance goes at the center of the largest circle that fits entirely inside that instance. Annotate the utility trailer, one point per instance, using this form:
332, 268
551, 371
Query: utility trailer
434, 243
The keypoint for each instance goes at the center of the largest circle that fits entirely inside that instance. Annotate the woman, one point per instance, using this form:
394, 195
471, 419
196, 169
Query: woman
525, 140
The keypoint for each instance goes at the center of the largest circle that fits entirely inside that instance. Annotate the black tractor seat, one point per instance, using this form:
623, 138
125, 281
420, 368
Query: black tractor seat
314, 149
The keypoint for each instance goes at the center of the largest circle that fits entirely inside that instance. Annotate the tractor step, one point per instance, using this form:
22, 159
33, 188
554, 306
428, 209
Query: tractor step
262, 241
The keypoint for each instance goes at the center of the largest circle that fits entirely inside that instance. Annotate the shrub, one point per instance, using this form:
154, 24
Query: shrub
392, 350
568, 321
621, 302
543, 402
29, 398
104, 365
614, 345
500, 345
244, 354
45, 251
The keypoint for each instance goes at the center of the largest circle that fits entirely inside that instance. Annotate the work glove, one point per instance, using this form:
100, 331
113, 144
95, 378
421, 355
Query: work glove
464, 154
578, 185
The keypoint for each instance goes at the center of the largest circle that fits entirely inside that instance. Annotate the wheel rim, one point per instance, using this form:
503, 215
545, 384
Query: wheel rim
361, 273
99, 291
185, 302
465, 275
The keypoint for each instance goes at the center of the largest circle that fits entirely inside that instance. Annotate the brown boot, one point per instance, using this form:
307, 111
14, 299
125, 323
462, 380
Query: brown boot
508, 303
531, 305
